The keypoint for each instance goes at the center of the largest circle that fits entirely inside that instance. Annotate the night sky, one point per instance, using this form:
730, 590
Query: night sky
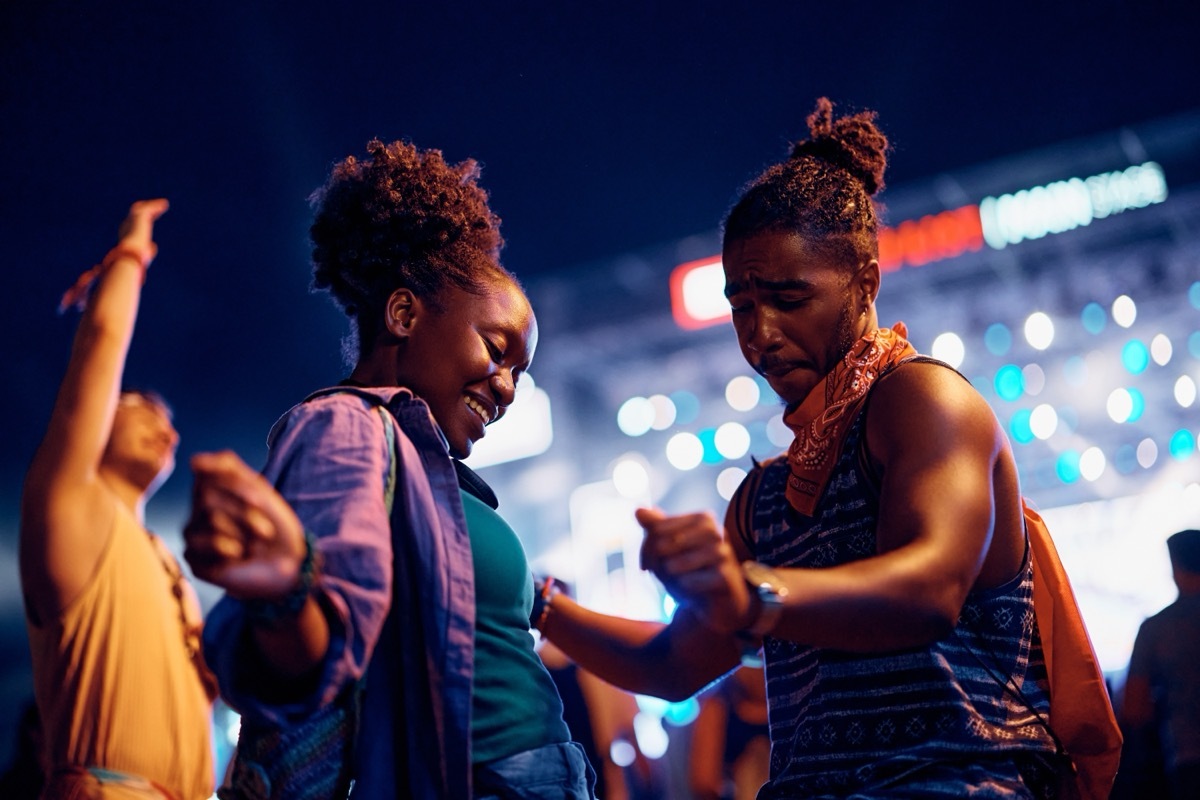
601, 130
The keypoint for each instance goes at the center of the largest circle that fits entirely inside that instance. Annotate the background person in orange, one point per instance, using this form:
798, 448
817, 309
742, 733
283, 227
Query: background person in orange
113, 626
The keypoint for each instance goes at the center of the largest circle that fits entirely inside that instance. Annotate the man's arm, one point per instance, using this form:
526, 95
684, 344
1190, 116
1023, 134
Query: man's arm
66, 512
938, 448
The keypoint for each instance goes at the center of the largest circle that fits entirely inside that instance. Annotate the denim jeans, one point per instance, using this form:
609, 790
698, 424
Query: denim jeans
552, 772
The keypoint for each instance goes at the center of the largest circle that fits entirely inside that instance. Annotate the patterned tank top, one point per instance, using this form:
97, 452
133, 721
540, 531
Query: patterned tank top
844, 721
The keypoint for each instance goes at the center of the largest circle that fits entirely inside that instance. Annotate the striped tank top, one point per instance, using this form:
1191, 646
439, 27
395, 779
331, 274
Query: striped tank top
842, 722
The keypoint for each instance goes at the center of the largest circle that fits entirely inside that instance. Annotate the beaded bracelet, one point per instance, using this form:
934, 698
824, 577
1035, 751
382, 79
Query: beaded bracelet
270, 612
541, 602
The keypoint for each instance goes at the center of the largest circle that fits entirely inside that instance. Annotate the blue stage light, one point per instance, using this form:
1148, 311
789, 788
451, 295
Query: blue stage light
997, 339
1135, 356
1093, 317
1009, 382
1067, 466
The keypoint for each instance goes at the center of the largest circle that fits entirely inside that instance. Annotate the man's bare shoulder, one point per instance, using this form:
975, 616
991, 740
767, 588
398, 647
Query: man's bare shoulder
922, 401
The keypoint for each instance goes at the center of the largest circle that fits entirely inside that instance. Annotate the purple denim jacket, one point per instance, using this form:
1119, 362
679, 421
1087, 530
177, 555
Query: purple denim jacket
411, 634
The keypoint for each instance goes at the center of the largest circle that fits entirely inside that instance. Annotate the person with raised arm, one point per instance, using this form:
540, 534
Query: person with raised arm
114, 627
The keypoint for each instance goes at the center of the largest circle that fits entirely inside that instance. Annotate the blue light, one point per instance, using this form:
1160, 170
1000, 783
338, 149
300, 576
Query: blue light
1009, 383
1194, 294
1183, 444
708, 438
1093, 318
997, 339
1194, 344
1125, 459
687, 406
1137, 407
1019, 426
1135, 356
1067, 466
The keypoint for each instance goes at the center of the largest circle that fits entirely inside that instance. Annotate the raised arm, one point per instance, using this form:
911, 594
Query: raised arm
67, 511
940, 454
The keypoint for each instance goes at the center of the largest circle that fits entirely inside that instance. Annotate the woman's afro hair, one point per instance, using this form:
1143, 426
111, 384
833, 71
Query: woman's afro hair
823, 190
401, 217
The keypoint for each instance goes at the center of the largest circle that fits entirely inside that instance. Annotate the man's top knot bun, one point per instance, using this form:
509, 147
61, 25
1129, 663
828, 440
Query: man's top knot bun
853, 143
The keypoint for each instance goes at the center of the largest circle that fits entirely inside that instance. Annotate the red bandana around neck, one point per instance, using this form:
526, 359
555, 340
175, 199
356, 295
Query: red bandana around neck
820, 423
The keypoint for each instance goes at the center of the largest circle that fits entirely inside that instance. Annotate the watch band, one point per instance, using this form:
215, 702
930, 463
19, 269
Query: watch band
771, 591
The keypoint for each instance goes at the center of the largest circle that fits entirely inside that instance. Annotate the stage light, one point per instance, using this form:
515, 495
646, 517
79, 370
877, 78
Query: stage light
997, 339
1147, 453
1091, 464
1019, 427
1185, 391
1043, 421
651, 738
1093, 318
687, 406
949, 347
732, 440
631, 478
1138, 405
664, 412
1125, 460
1194, 295
1124, 311
1194, 344
1161, 350
708, 439
1119, 405
1183, 444
622, 753
1135, 357
685, 451
1034, 379
635, 416
729, 480
1039, 330
1009, 383
1067, 466
742, 393
766, 395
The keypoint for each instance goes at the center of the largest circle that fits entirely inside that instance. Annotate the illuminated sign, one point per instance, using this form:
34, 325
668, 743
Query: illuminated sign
698, 287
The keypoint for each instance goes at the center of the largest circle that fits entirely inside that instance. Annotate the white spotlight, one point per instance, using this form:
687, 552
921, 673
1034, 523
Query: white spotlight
1092, 463
742, 393
1185, 391
1043, 421
685, 451
1039, 330
1124, 311
949, 347
1160, 349
732, 440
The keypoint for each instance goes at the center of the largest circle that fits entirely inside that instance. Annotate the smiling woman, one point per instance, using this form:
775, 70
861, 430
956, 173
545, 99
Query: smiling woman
370, 570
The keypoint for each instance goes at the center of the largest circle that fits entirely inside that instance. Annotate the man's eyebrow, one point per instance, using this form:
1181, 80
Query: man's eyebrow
790, 284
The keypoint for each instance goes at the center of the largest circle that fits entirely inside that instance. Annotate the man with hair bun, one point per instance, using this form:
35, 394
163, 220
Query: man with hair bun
882, 564
1162, 689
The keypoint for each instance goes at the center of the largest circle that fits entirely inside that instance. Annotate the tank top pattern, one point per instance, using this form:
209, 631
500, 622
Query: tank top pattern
841, 720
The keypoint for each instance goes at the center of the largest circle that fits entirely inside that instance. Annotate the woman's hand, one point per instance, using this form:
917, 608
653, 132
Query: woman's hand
689, 555
242, 535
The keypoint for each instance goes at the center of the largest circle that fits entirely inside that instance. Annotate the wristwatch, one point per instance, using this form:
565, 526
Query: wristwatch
771, 590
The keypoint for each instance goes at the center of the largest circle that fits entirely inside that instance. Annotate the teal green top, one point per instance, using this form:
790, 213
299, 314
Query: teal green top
515, 706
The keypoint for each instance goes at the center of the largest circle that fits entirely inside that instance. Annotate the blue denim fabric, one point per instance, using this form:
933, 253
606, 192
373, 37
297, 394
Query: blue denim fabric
553, 772
329, 458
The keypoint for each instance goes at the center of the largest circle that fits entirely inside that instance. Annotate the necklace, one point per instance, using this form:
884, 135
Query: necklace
189, 613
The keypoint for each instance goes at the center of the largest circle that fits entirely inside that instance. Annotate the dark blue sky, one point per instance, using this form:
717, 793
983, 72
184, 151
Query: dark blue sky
601, 130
